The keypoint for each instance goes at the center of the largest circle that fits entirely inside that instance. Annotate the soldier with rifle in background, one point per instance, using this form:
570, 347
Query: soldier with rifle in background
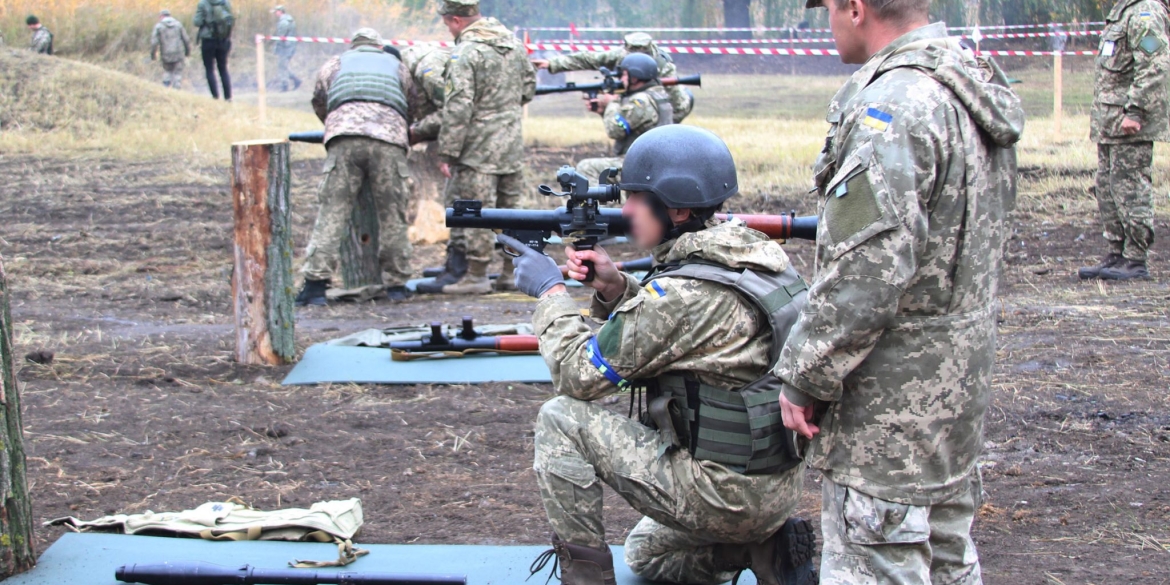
681, 99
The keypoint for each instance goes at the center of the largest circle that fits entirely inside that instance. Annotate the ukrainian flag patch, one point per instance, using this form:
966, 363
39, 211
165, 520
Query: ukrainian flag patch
625, 124
877, 119
655, 290
428, 72
1146, 15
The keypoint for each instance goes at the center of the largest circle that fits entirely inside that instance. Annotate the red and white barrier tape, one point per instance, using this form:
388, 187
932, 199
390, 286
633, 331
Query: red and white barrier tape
777, 28
668, 42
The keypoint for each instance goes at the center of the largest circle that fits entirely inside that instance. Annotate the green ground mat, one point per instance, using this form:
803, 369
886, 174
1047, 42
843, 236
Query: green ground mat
91, 559
324, 363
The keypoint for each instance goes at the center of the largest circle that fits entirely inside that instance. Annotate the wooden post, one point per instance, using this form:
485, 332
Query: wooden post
262, 283
359, 251
16, 530
1058, 94
261, 81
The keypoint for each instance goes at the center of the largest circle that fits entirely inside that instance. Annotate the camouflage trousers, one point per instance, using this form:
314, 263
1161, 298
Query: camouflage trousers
591, 168
690, 506
871, 541
1125, 197
498, 191
173, 74
284, 75
353, 161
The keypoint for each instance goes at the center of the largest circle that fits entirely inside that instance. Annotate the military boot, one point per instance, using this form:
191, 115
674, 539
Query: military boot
785, 558
1109, 261
312, 293
475, 282
579, 565
1126, 270
398, 294
507, 280
453, 270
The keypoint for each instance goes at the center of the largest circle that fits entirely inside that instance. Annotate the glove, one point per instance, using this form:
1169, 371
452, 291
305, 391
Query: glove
535, 272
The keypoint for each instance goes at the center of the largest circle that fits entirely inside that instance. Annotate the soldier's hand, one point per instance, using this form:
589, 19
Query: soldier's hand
445, 169
1129, 126
798, 418
607, 279
605, 99
536, 274
540, 63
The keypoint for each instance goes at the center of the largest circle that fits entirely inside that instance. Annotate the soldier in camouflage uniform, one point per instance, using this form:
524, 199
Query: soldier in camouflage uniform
169, 43
681, 98
894, 350
700, 346
644, 105
427, 64
42, 39
286, 26
1130, 113
366, 98
488, 80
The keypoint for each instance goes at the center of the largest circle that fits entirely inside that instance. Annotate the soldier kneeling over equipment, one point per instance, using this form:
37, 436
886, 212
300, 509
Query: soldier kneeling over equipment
708, 462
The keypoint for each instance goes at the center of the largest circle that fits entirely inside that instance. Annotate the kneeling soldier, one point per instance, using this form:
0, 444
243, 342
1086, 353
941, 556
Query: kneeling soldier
709, 463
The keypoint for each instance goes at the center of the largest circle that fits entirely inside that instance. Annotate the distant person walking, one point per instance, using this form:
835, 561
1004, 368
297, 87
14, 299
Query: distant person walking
42, 39
169, 43
214, 20
285, 27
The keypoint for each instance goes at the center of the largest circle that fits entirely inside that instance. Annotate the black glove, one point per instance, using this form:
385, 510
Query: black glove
535, 272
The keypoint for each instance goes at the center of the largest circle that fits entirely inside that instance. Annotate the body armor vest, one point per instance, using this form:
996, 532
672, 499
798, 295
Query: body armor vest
368, 74
665, 118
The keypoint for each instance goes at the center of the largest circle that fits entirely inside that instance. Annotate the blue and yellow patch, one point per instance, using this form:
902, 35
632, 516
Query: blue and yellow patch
428, 72
625, 124
1145, 15
593, 352
655, 290
877, 119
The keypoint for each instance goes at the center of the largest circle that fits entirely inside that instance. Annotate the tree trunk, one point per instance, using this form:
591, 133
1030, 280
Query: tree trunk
737, 14
262, 283
16, 530
359, 251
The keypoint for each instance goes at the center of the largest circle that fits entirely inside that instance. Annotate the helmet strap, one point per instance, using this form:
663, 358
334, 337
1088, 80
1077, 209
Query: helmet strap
670, 231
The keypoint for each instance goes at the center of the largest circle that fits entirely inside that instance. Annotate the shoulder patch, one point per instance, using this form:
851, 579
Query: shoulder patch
641, 100
655, 289
1151, 44
877, 119
1145, 15
625, 124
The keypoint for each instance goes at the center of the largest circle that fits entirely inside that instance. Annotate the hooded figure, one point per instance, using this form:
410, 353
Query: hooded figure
169, 41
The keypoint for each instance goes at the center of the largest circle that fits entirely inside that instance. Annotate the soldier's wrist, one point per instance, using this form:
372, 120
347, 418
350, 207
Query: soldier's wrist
796, 397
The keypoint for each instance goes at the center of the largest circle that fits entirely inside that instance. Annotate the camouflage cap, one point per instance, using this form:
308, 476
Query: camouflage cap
164, 12
638, 41
366, 36
459, 7
814, 3
279, 8
32, 19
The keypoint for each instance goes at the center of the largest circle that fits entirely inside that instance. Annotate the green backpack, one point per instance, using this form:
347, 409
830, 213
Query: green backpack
220, 21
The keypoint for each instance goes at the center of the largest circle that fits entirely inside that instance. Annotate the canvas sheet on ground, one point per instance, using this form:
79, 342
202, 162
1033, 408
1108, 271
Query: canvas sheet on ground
91, 559
325, 363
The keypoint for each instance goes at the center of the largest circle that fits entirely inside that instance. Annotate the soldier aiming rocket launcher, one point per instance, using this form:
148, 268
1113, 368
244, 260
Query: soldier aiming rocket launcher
582, 222
612, 83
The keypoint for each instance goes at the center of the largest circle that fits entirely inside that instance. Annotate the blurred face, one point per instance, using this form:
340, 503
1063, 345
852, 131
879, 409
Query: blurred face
844, 23
278, 13
455, 24
645, 229
626, 78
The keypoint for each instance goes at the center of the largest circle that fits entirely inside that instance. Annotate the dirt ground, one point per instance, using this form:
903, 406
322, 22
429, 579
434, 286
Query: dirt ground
121, 270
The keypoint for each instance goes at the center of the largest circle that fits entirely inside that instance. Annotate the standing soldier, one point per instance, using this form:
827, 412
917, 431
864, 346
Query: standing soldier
644, 106
681, 98
895, 349
363, 97
488, 80
215, 22
285, 27
170, 43
709, 464
1130, 112
42, 39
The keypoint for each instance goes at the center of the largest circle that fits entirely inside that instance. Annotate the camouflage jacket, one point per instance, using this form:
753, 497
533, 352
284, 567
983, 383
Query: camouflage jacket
286, 27
170, 39
427, 64
690, 326
374, 120
488, 80
42, 41
1133, 73
634, 115
680, 99
898, 337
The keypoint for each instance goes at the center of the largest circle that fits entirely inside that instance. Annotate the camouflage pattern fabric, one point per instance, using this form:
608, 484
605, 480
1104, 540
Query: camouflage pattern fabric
1133, 74
370, 119
501, 191
488, 80
868, 540
1125, 197
681, 99
169, 41
351, 162
683, 325
286, 27
427, 64
591, 168
632, 116
173, 74
42, 41
898, 337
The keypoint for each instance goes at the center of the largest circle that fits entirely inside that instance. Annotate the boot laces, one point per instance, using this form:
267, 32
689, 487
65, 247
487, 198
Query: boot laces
541, 561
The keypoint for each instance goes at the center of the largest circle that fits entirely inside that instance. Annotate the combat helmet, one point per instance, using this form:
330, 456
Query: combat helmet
640, 66
683, 166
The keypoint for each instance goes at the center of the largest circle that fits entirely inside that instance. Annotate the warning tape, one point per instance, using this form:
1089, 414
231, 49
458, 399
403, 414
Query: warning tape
668, 42
778, 28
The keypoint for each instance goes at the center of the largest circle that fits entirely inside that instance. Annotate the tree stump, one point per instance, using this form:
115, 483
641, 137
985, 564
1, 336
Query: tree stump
359, 251
262, 282
16, 530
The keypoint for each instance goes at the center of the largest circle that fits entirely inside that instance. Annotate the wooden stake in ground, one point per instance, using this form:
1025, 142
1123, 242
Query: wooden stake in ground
16, 530
262, 283
359, 252
261, 82
1058, 94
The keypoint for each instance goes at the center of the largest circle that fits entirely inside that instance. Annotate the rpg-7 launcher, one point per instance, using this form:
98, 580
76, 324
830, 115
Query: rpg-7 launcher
208, 574
466, 341
612, 83
582, 222
312, 136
